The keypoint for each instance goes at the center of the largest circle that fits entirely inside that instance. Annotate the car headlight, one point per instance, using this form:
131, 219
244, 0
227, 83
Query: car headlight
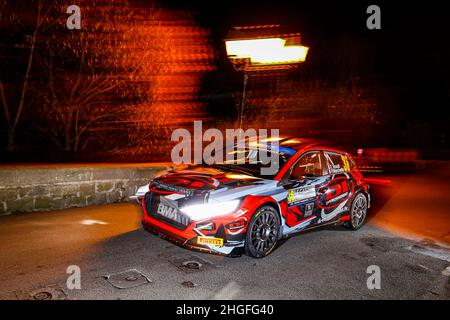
209, 210
142, 190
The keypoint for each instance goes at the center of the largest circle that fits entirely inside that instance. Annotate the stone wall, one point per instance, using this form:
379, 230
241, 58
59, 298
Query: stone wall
30, 188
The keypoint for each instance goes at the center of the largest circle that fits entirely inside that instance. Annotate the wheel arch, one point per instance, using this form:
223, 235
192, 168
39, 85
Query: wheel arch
255, 202
274, 205
269, 202
365, 191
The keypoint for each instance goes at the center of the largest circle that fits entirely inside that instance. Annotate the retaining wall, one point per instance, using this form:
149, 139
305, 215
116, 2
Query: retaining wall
30, 188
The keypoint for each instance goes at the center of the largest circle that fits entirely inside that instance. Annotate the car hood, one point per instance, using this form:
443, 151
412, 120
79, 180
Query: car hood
213, 183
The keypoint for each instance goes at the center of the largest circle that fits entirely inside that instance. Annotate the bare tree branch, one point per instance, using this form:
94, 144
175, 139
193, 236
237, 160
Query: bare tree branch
4, 102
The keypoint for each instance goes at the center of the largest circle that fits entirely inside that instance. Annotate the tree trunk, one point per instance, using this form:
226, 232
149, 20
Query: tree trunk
13, 124
11, 139
68, 138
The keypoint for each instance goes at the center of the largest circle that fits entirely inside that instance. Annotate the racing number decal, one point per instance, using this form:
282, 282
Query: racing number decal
345, 162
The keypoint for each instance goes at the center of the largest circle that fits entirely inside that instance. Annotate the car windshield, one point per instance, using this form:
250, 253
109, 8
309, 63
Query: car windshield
248, 161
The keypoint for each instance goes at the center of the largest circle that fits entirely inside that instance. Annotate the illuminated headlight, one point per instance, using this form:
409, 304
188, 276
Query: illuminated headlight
142, 191
209, 210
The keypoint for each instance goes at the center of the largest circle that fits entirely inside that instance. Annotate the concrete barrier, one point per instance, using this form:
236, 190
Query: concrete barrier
28, 188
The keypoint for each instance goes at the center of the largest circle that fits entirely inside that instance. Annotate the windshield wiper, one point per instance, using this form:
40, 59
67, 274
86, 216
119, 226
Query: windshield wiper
227, 168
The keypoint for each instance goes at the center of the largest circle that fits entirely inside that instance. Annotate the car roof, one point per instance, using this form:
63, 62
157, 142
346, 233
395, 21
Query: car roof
292, 145
301, 144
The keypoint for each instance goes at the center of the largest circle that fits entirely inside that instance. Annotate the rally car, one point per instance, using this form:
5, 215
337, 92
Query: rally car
230, 209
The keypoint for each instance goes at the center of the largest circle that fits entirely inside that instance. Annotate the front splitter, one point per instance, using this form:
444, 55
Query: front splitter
190, 244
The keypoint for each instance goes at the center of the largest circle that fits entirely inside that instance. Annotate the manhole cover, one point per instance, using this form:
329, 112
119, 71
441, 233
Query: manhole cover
190, 263
127, 279
46, 293
43, 295
383, 244
189, 284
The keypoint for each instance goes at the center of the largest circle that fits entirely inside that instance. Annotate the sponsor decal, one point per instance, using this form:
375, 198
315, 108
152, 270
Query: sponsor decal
300, 194
212, 241
309, 209
175, 196
337, 169
167, 211
160, 185
328, 215
337, 199
337, 191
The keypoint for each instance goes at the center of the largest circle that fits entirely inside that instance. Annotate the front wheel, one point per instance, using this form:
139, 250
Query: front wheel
358, 212
262, 232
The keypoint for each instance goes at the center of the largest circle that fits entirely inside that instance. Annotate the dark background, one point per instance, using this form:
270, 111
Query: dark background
409, 57
404, 68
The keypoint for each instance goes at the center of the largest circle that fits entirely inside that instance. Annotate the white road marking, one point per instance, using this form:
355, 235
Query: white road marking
435, 251
446, 272
89, 222
228, 292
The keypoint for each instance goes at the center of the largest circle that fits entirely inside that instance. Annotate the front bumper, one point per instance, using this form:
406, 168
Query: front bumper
189, 234
232, 249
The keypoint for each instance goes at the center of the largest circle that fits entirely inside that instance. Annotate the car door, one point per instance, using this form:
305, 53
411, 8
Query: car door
333, 196
302, 182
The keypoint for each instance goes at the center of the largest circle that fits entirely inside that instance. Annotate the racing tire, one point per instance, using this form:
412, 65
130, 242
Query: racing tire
358, 212
262, 232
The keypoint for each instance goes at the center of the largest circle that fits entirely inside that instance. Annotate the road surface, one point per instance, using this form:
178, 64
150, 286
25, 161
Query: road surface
36, 249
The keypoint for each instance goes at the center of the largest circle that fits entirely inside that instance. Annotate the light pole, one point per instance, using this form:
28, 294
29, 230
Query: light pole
243, 100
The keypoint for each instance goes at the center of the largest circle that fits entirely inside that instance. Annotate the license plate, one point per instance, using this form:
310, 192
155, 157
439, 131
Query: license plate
210, 240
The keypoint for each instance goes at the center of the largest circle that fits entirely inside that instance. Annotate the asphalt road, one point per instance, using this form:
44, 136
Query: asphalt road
36, 250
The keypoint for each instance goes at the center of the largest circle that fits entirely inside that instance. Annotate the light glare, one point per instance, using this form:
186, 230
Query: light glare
266, 51
209, 210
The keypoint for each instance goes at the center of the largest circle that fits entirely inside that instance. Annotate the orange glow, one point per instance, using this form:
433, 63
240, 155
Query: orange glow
291, 141
266, 51
255, 144
237, 152
272, 139
240, 176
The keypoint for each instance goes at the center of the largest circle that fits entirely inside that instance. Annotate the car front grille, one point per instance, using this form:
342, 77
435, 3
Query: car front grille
152, 202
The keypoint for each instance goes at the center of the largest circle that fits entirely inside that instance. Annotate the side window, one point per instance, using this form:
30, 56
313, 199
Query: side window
338, 163
352, 163
309, 165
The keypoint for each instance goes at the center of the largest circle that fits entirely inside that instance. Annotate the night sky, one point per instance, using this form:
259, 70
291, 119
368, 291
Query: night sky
410, 54
403, 71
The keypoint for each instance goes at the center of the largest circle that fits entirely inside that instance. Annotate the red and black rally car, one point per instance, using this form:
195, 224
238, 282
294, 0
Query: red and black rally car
231, 208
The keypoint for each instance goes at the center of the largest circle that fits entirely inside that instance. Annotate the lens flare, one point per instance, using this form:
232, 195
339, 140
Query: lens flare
266, 51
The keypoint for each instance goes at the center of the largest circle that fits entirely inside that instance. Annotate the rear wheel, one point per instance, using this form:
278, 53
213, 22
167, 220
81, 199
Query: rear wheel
262, 232
358, 212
